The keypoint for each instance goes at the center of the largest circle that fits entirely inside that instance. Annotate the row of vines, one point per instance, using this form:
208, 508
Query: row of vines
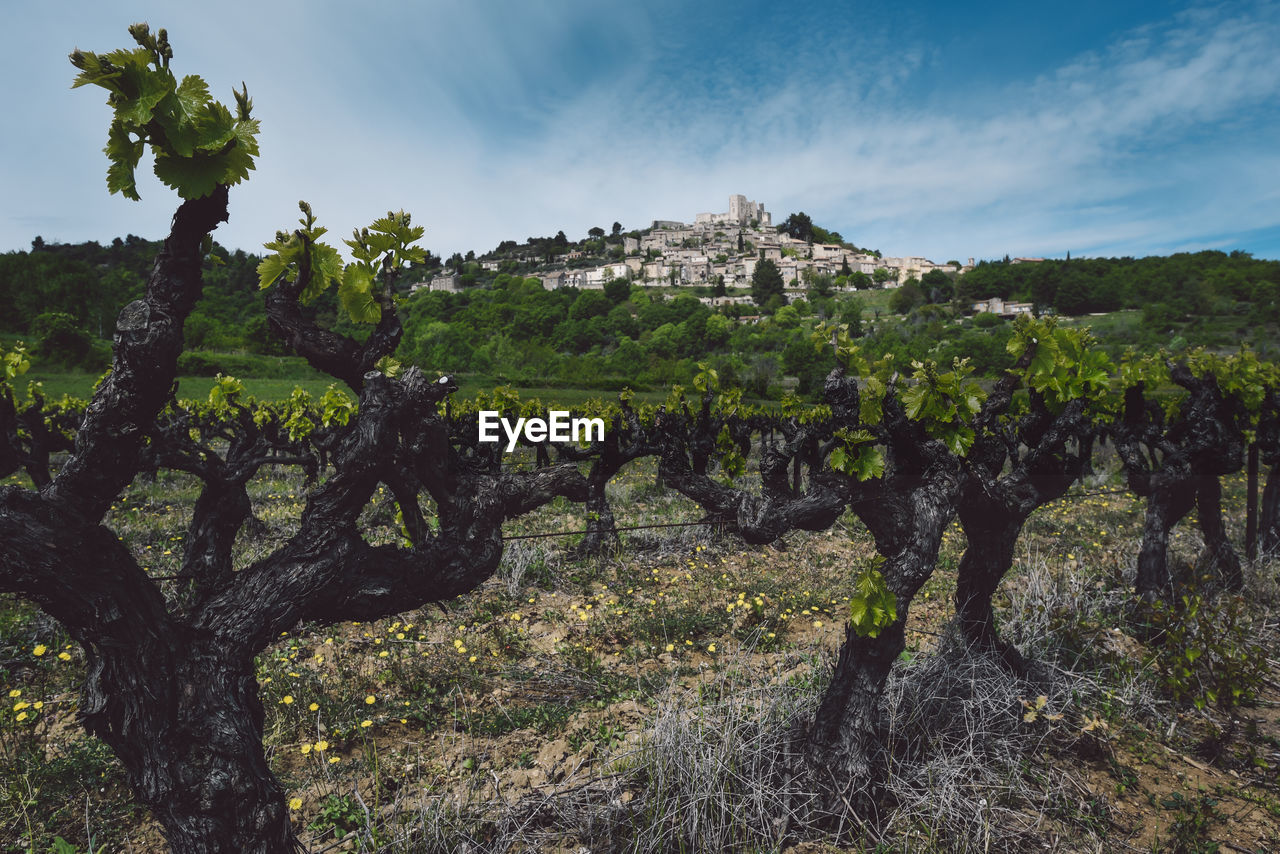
170, 682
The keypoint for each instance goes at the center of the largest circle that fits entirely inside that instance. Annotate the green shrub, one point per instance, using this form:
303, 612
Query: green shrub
203, 363
1205, 654
61, 340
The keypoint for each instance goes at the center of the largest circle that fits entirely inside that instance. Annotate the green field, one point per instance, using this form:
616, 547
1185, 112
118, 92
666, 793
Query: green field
80, 385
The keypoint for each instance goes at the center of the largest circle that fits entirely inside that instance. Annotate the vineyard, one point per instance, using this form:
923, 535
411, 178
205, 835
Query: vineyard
928, 612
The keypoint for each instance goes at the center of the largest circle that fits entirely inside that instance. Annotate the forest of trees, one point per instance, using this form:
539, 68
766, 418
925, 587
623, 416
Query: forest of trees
509, 328
1176, 287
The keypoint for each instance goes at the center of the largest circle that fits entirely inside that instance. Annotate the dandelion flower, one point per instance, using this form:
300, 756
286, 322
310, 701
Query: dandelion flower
366, 723
315, 707
39, 650
287, 700
306, 748
370, 700
295, 804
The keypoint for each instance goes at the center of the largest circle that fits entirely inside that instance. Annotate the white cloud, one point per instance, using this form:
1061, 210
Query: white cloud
571, 115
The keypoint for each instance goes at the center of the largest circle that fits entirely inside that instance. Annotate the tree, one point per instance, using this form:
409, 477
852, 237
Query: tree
617, 229
766, 282
860, 280
595, 231
171, 685
617, 290
937, 286
881, 276
906, 297
820, 284
799, 226
851, 315
718, 289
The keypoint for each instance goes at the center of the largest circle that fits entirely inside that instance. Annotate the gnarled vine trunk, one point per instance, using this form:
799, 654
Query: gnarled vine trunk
1219, 557
1166, 505
992, 533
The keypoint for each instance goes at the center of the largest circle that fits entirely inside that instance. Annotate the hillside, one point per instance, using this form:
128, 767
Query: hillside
602, 313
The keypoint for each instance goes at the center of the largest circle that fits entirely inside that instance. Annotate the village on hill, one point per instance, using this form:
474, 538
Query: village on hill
716, 249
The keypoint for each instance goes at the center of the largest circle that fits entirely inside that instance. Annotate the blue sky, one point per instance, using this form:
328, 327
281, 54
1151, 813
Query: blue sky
922, 129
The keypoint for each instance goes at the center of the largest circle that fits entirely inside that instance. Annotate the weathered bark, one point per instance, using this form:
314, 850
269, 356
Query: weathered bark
325, 350
845, 743
997, 500
1166, 505
907, 515
602, 529
907, 511
626, 441
171, 687
1218, 556
992, 533
148, 341
1269, 512
180, 713
1168, 463
1267, 444
1251, 504
758, 519
41, 442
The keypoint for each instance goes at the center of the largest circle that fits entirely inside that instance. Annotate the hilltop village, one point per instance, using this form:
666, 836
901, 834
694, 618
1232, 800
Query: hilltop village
716, 249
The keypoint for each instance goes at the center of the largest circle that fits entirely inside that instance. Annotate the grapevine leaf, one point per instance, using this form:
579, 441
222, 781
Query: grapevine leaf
124, 153
869, 463
193, 177
144, 88
180, 112
270, 269
326, 267
356, 293
95, 71
914, 400
1043, 359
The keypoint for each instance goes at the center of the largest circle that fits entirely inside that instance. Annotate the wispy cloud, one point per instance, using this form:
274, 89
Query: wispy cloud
492, 125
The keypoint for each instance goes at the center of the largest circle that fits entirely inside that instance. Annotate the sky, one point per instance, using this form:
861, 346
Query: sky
929, 129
